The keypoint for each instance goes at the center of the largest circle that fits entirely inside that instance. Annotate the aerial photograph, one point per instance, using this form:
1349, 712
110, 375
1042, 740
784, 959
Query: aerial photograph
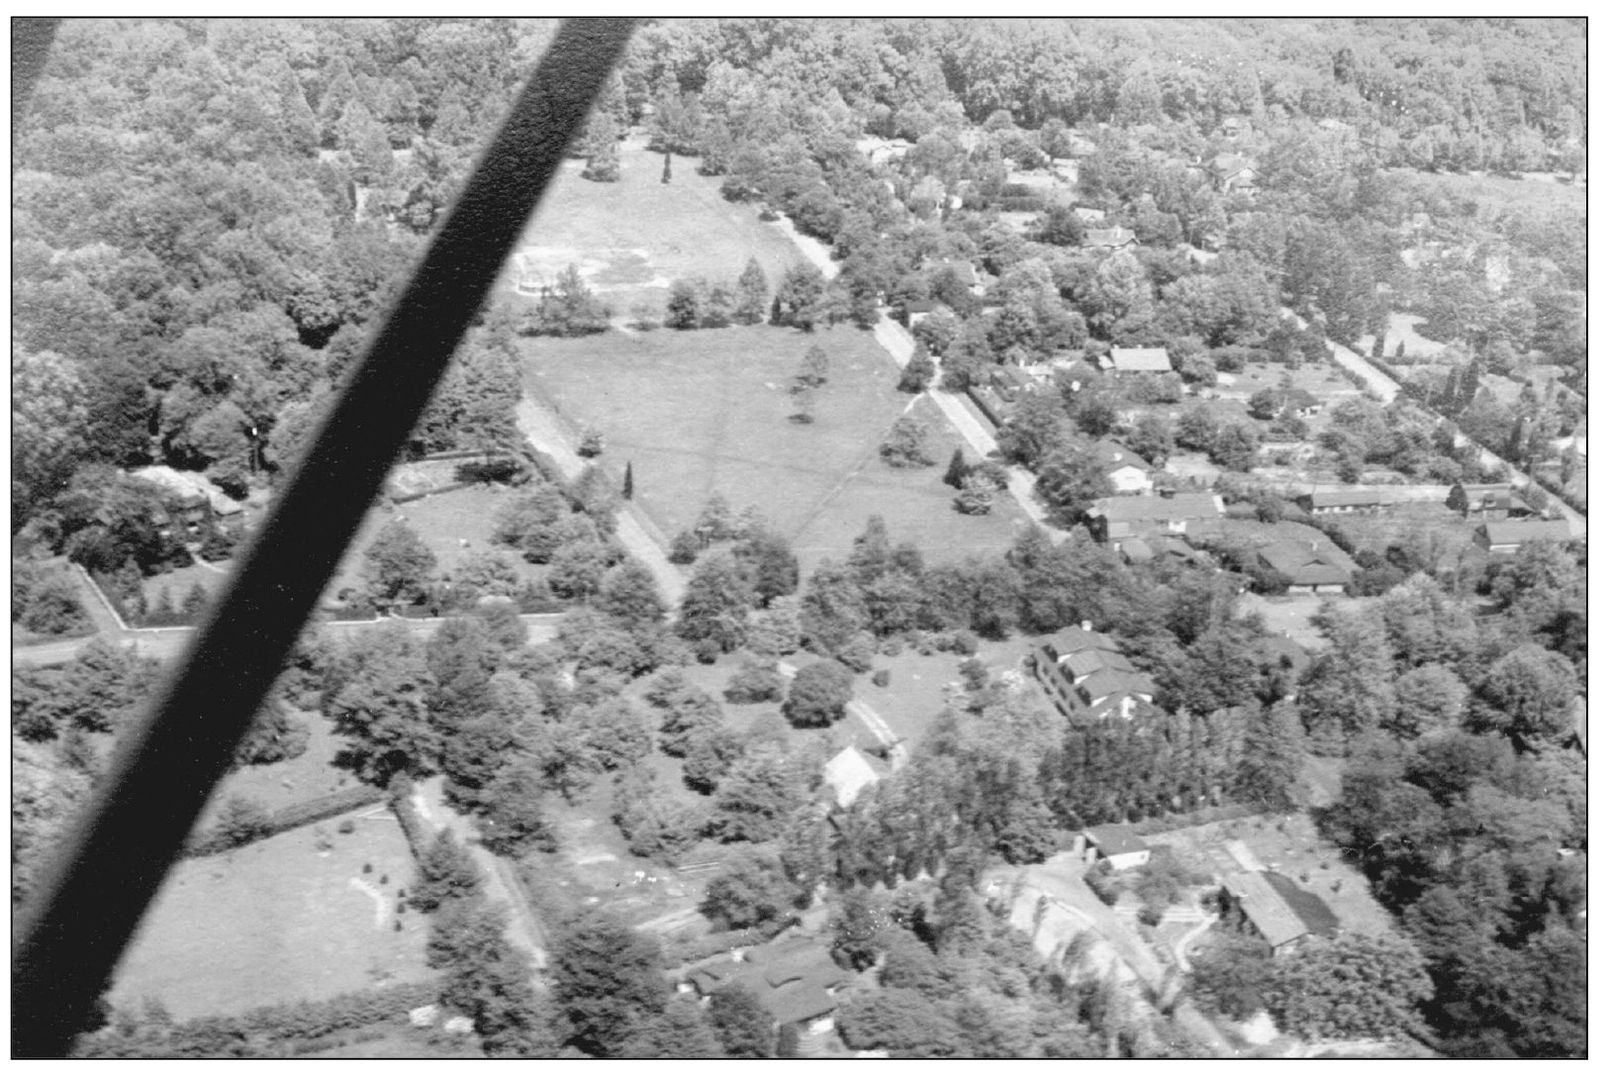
783, 538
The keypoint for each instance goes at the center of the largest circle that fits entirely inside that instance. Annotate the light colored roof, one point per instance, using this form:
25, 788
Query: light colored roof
188, 486
1158, 507
1527, 531
1108, 236
1069, 640
1090, 215
1115, 456
1268, 912
848, 774
1140, 359
1115, 839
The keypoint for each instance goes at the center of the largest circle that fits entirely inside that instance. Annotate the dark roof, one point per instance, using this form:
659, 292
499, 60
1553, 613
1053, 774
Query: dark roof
1069, 640
1105, 682
1157, 507
1115, 839
791, 977
1526, 531
1299, 563
1345, 498
1316, 915
1094, 659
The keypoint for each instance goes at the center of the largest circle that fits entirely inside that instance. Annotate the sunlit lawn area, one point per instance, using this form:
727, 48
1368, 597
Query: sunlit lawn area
277, 921
630, 239
697, 412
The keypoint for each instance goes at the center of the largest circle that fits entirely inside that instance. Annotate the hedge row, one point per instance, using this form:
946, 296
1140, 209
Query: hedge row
416, 495
271, 1026
399, 799
213, 842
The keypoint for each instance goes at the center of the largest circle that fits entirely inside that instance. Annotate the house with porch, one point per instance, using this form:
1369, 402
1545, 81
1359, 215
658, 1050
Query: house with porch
1085, 674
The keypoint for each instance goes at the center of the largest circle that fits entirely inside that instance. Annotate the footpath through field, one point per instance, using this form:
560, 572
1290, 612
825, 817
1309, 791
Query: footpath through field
900, 345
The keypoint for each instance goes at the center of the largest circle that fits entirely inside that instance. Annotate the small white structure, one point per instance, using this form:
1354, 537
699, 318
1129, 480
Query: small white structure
458, 1024
425, 1016
848, 774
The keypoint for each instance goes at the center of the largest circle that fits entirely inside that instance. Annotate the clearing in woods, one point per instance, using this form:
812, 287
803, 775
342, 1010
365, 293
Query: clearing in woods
699, 412
630, 239
278, 920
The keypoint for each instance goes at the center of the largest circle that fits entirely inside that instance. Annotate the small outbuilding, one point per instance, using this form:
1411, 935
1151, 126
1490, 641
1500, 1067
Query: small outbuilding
1117, 845
1505, 537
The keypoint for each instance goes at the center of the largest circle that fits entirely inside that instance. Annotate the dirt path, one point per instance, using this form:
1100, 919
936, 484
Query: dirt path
897, 753
542, 427
502, 886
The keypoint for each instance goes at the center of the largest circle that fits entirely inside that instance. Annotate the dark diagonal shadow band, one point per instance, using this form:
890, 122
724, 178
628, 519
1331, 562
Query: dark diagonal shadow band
73, 931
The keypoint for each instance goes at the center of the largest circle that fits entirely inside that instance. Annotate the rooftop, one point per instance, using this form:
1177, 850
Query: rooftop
1158, 507
1267, 911
1367, 497
1300, 563
1527, 531
1140, 358
848, 774
1116, 839
1116, 456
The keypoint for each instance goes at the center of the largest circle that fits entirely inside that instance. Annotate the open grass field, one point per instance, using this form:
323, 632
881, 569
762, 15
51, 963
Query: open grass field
1541, 193
915, 502
278, 921
309, 776
703, 411
630, 239
444, 522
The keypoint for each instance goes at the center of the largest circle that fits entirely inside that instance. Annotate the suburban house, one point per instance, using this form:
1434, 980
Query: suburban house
1109, 238
1119, 846
847, 774
1505, 537
793, 977
1270, 906
1235, 172
1163, 548
1137, 359
1486, 501
191, 497
1361, 500
1112, 520
1085, 673
1129, 474
1304, 566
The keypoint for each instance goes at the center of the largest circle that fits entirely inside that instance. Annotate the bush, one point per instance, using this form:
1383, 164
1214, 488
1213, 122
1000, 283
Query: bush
906, 444
881, 678
819, 695
755, 682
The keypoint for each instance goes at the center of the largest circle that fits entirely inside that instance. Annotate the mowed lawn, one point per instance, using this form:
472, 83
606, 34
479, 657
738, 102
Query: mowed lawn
630, 239
278, 921
916, 504
445, 522
699, 412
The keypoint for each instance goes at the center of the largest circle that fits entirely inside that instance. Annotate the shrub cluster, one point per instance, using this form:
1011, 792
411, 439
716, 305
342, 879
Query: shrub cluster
217, 840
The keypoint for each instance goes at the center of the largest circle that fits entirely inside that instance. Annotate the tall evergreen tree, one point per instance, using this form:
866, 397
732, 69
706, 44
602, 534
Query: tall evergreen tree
753, 294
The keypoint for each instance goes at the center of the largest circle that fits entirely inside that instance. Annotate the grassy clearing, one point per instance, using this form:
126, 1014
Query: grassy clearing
915, 502
1504, 194
703, 411
310, 776
630, 239
445, 522
178, 583
1447, 531
277, 921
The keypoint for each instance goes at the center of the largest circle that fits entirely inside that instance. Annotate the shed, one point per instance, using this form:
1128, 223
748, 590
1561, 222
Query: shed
1252, 905
849, 773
